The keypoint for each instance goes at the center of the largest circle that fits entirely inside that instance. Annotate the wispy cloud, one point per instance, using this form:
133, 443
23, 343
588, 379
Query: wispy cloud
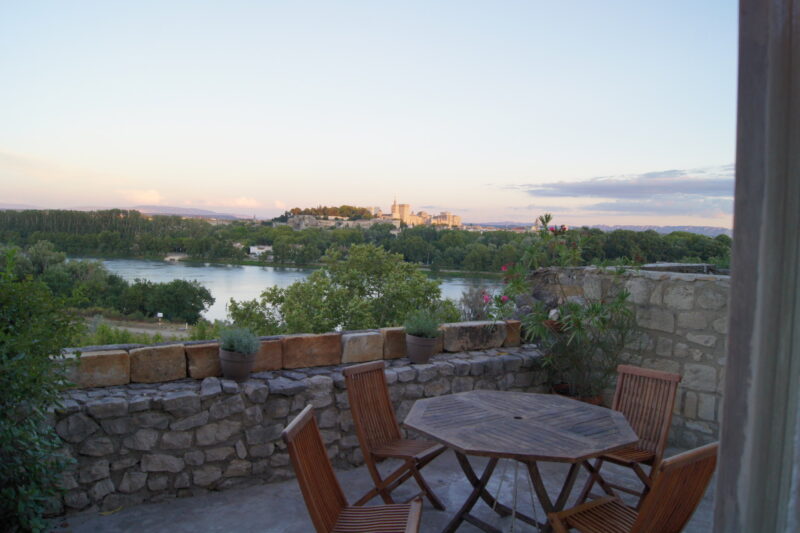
705, 192
714, 181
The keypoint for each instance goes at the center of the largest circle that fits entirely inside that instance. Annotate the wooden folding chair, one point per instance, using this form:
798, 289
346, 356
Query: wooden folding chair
678, 486
646, 398
323, 495
380, 437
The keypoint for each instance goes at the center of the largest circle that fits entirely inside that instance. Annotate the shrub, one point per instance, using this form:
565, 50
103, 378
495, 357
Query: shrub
34, 327
583, 346
239, 340
422, 323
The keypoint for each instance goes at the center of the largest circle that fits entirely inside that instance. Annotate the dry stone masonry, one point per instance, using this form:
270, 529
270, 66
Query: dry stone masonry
683, 319
139, 442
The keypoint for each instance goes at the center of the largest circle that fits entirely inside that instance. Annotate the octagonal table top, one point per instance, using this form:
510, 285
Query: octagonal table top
518, 425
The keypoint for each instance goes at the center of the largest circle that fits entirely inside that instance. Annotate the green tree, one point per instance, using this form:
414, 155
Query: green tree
34, 326
368, 288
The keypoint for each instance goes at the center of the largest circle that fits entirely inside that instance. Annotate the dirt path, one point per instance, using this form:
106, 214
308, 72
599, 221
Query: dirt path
166, 329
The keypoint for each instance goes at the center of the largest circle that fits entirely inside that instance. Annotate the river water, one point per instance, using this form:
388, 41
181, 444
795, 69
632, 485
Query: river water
245, 282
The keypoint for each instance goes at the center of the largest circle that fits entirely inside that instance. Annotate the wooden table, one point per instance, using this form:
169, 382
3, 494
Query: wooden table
522, 426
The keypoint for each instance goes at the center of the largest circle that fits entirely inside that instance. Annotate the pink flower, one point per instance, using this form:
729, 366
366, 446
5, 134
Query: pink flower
504, 268
504, 298
486, 298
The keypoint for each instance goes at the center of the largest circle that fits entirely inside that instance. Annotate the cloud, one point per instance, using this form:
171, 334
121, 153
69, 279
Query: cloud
701, 192
673, 205
713, 182
142, 196
279, 204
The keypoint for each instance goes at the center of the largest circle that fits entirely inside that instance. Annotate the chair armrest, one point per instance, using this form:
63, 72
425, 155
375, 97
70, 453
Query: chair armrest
414, 516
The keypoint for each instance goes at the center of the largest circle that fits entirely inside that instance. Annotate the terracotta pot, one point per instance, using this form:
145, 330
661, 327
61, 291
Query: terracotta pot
419, 349
236, 365
553, 325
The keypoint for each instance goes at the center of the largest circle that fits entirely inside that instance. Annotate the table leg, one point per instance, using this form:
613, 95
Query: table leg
502, 510
479, 487
479, 491
544, 497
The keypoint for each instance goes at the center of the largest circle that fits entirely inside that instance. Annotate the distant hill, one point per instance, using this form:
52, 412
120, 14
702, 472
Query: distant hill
183, 211
709, 231
17, 207
145, 209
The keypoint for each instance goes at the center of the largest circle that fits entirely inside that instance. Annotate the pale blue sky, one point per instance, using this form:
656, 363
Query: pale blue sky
480, 108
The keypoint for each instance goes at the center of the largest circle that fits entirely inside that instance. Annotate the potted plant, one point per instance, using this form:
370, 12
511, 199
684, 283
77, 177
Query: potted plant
422, 330
582, 343
237, 353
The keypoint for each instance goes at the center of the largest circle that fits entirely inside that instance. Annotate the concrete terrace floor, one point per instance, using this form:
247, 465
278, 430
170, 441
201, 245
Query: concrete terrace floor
279, 507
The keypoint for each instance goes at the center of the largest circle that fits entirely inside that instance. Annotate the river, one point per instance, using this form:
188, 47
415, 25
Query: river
245, 282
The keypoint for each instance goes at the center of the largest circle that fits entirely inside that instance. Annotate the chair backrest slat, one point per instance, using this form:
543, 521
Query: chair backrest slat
679, 485
646, 398
373, 413
321, 490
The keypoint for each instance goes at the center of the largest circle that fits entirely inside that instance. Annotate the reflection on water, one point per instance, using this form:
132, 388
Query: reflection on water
246, 282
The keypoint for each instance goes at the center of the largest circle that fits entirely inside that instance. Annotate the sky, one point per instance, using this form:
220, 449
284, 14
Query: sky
616, 112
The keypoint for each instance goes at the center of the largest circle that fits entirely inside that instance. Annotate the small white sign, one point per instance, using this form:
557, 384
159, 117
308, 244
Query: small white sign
160, 315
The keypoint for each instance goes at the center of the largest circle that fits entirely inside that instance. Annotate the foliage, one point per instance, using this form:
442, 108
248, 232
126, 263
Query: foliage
239, 340
87, 284
367, 288
129, 234
34, 327
582, 348
177, 300
479, 303
345, 211
205, 330
422, 323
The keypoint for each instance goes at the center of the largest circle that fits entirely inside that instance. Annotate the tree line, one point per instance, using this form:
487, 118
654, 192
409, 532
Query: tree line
118, 233
89, 286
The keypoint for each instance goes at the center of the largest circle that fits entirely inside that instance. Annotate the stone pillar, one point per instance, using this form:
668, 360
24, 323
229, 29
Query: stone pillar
758, 486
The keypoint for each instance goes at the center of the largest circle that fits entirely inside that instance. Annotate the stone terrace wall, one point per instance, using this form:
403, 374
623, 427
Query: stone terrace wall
142, 442
684, 323
103, 366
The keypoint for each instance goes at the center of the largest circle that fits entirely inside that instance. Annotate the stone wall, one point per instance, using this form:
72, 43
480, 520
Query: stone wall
143, 441
103, 366
684, 323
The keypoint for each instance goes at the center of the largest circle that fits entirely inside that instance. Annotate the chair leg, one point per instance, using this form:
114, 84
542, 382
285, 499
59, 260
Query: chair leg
587, 487
594, 477
384, 487
646, 480
426, 489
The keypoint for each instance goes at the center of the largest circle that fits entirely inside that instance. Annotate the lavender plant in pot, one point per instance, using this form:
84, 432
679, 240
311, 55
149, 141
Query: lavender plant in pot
422, 330
237, 353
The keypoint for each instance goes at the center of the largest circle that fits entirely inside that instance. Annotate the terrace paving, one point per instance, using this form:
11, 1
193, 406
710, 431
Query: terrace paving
279, 507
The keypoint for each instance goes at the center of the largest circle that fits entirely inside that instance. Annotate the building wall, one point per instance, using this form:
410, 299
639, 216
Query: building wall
684, 329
